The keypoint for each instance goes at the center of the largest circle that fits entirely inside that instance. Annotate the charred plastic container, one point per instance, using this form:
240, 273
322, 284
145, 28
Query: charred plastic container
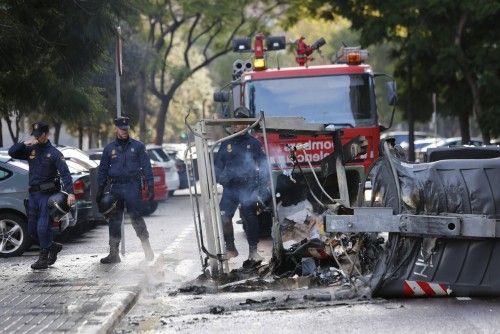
424, 266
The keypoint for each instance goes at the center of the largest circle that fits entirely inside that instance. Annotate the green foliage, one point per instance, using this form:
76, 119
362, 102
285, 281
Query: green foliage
452, 45
48, 50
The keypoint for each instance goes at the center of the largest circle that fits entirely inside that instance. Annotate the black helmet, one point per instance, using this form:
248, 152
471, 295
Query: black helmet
107, 204
58, 205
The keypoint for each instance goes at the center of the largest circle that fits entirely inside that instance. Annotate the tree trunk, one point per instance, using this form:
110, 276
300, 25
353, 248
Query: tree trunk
1, 134
410, 115
162, 118
471, 77
89, 132
463, 119
14, 133
80, 137
57, 132
141, 95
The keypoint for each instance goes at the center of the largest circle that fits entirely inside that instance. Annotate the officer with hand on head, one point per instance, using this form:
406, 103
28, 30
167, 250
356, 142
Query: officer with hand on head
46, 167
123, 163
241, 168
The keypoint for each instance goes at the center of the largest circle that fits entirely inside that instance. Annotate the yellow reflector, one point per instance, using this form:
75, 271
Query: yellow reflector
354, 58
259, 64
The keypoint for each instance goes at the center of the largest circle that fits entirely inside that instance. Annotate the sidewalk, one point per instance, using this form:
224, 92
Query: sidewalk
78, 294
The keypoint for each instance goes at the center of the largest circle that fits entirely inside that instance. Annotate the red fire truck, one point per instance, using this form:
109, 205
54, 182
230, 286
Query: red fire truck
340, 95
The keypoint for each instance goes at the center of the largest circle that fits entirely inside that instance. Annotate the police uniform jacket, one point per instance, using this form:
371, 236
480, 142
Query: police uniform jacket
125, 158
45, 162
241, 162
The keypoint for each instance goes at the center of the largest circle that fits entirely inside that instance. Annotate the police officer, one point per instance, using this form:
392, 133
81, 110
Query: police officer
46, 168
240, 167
124, 162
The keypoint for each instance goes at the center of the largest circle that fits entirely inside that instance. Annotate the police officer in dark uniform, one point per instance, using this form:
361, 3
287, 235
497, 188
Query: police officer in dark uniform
46, 167
240, 167
123, 164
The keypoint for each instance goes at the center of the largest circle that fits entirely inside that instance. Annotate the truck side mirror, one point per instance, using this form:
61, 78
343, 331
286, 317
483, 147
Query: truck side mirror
221, 96
392, 95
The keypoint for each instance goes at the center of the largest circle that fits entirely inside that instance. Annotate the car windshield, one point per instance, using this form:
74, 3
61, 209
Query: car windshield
338, 99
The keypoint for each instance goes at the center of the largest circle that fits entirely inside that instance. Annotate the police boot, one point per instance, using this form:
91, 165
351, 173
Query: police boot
53, 250
227, 229
148, 251
231, 250
254, 255
113, 257
42, 262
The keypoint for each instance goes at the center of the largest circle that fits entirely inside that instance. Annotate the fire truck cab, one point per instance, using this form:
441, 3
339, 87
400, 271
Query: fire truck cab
340, 95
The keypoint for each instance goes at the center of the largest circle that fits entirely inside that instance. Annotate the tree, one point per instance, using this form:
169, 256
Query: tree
187, 26
436, 43
46, 51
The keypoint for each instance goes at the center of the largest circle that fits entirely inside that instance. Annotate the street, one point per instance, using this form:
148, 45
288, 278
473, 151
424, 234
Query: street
364, 136
78, 294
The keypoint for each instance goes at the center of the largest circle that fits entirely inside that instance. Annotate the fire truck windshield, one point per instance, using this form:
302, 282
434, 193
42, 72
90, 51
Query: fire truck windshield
335, 99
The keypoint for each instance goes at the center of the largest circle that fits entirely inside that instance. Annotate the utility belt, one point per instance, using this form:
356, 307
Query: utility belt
123, 179
46, 187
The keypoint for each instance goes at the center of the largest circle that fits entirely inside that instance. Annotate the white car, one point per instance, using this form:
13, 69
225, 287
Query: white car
419, 144
157, 154
450, 142
402, 136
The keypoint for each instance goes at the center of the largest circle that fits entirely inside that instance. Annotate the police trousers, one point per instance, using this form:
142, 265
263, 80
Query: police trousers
129, 196
39, 222
232, 196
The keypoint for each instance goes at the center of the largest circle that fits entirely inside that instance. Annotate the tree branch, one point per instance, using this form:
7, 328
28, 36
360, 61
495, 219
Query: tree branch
189, 40
210, 40
164, 64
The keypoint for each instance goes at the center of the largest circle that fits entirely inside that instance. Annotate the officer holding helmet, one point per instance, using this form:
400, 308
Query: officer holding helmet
46, 168
241, 168
123, 164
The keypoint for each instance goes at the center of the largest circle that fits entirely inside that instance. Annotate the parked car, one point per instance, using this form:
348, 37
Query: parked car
402, 136
181, 167
157, 154
449, 142
160, 186
78, 156
14, 239
180, 151
421, 143
161, 192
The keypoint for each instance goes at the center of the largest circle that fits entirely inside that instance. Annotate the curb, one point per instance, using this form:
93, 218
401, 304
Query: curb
110, 313
117, 305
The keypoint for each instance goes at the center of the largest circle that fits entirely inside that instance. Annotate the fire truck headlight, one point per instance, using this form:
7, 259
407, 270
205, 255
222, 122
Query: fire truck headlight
259, 64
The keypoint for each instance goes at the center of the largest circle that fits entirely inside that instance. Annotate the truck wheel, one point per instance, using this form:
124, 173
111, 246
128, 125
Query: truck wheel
14, 238
149, 207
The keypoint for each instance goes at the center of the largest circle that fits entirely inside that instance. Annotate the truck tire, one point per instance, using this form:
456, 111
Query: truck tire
14, 237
